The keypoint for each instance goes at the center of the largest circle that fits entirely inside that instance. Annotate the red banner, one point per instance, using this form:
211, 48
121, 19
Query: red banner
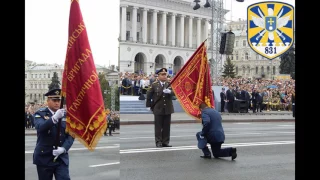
86, 117
192, 84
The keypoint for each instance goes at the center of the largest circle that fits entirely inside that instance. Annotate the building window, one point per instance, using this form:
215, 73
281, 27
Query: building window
44, 75
268, 70
262, 69
31, 86
48, 75
25, 76
128, 16
237, 70
274, 70
43, 86
138, 36
237, 57
247, 56
231, 57
40, 75
257, 56
244, 42
36, 86
243, 70
138, 17
237, 43
257, 70
31, 75
128, 35
36, 76
30, 96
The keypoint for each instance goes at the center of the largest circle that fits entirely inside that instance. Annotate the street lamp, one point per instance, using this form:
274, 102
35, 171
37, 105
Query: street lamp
214, 62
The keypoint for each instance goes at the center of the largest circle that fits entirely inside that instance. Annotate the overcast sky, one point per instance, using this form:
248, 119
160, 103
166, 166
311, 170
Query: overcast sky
46, 30
46, 27
239, 10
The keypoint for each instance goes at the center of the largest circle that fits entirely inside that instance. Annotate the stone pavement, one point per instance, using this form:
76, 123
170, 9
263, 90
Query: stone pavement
181, 117
33, 132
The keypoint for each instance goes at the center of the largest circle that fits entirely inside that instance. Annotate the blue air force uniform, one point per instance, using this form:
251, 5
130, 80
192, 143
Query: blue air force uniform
213, 133
46, 138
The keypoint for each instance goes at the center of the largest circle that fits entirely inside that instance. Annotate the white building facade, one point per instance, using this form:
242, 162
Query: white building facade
248, 63
160, 33
38, 77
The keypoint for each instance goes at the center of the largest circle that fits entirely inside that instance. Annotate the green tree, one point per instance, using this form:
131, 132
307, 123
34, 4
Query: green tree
117, 100
104, 85
228, 69
55, 83
287, 63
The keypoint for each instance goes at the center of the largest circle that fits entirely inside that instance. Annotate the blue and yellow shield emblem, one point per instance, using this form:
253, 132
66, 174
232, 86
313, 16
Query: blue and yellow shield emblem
270, 28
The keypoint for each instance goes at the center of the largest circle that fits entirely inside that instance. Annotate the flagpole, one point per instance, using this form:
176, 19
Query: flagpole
153, 104
58, 131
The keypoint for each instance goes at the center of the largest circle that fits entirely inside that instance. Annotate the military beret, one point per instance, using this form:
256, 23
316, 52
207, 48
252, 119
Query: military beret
162, 70
54, 94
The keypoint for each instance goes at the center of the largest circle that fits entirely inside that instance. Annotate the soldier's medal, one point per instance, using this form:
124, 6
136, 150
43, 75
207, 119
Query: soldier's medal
46, 117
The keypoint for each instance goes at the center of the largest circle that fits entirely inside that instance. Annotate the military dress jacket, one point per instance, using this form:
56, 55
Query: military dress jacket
46, 138
164, 105
212, 125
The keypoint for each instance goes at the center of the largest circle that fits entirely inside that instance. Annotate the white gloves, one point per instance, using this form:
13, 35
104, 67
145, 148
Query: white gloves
57, 152
167, 91
58, 115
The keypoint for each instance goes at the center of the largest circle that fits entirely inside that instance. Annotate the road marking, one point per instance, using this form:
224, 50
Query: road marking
79, 149
108, 164
242, 123
131, 151
286, 125
151, 137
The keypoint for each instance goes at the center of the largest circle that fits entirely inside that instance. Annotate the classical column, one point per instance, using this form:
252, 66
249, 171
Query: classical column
144, 25
134, 24
206, 26
182, 30
123, 22
164, 28
198, 31
154, 26
173, 29
190, 31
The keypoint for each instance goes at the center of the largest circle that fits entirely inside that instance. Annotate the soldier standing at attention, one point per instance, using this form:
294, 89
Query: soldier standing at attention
46, 124
159, 99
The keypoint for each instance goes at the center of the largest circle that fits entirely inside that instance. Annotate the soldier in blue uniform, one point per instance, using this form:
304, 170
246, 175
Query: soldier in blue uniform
46, 124
212, 133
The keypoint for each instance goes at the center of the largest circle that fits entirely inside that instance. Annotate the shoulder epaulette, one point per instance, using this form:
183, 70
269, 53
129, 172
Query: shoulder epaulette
42, 109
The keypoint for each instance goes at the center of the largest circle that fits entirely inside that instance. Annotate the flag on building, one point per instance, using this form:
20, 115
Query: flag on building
192, 84
86, 117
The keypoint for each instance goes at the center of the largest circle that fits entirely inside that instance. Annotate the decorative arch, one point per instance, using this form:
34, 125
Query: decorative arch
179, 53
141, 50
177, 64
139, 63
159, 62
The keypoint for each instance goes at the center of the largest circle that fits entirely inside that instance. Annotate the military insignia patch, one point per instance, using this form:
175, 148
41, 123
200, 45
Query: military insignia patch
270, 28
46, 117
37, 115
